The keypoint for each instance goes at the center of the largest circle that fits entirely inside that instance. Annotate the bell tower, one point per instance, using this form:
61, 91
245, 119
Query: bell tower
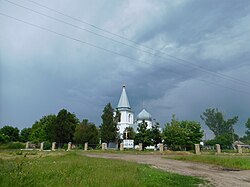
127, 115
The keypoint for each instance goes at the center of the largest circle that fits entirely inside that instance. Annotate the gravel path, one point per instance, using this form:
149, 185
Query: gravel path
216, 175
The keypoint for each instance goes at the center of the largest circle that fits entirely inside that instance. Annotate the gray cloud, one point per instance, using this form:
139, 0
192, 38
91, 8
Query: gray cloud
42, 73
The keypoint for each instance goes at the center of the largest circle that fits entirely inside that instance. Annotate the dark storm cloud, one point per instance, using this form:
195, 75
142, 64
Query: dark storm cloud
193, 20
42, 72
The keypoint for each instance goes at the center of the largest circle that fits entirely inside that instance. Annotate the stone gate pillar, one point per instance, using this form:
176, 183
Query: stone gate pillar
53, 148
86, 146
140, 146
27, 145
218, 149
69, 146
41, 146
197, 149
161, 147
104, 146
121, 147
239, 149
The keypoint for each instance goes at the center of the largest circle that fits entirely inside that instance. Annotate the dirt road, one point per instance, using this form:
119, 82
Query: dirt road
216, 175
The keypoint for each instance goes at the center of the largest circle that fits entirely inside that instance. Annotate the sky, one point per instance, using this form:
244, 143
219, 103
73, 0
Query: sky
175, 57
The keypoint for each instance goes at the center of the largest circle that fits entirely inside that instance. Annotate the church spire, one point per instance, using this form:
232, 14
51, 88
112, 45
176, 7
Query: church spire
123, 102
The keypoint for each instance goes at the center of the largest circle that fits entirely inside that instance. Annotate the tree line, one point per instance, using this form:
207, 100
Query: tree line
177, 134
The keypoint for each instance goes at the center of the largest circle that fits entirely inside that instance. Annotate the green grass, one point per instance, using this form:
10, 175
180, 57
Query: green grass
73, 169
234, 162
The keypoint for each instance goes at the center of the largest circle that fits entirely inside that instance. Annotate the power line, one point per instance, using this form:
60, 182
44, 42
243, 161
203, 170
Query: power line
75, 39
101, 48
184, 62
67, 23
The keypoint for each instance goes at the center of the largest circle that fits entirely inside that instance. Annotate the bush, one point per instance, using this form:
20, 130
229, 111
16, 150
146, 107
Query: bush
80, 146
47, 145
12, 145
4, 138
65, 146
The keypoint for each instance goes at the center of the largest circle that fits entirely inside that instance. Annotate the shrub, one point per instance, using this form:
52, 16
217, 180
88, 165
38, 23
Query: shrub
47, 145
80, 146
65, 146
12, 145
4, 138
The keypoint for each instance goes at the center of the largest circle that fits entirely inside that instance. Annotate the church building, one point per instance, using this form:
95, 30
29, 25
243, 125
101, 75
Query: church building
127, 115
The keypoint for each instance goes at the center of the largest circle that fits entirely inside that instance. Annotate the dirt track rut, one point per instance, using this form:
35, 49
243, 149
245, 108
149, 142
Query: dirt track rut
215, 175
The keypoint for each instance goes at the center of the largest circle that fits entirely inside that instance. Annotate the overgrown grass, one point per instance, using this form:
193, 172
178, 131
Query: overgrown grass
236, 162
72, 169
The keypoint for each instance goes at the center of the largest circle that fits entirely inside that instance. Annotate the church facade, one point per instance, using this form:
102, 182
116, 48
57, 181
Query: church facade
127, 118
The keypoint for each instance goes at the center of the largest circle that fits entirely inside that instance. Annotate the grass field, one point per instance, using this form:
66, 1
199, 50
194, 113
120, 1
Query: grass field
234, 162
73, 169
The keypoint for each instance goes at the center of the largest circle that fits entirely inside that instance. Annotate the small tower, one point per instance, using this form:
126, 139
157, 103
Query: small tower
127, 115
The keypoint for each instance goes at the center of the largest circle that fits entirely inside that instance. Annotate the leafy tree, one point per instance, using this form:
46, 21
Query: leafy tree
174, 135
42, 130
25, 134
211, 142
130, 133
246, 138
10, 133
109, 125
182, 134
144, 135
216, 122
225, 140
86, 132
222, 128
248, 127
4, 138
193, 132
64, 127
156, 134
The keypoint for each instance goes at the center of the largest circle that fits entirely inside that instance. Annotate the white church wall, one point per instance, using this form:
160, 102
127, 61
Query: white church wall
127, 117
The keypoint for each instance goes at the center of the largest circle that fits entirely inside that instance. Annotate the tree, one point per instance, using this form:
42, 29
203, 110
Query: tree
174, 135
216, 122
156, 134
248, 127
4, 138
86, 132
129, 133
109, 125
222, 128
144, 135
182, 134
246, 138
42, 130
193, 133
64, 127
10, 133
25, 134
225, 140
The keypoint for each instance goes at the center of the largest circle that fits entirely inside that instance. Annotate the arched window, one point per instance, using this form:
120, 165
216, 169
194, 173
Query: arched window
129, 118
